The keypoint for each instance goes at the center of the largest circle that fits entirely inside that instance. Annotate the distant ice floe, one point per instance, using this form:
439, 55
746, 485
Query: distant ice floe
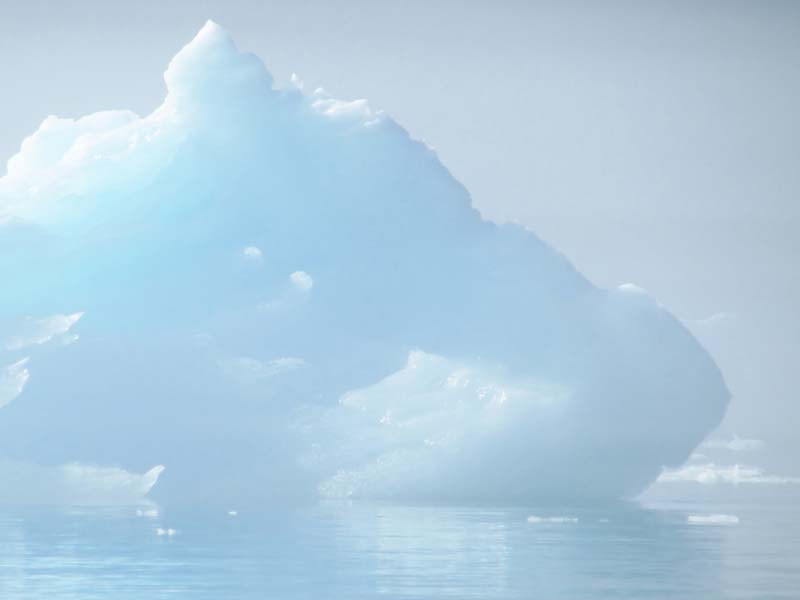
712, 520
735, 444
165, 532
150, 513
710, 473
536, 520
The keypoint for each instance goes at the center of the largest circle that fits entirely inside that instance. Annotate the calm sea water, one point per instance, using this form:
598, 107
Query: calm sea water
365, 551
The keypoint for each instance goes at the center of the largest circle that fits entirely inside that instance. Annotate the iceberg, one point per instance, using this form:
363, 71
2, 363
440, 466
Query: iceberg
282, 295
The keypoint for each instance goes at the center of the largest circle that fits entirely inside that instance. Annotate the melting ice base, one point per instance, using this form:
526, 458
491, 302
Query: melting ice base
279, 295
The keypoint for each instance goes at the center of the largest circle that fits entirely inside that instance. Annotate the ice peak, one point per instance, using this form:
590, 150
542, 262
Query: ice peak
211, 67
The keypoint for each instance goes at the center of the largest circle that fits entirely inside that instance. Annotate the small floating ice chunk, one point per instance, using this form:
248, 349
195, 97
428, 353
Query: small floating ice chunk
713, 520
535, 519
302, 281
147, 512
167, 532
232, 513
253, 253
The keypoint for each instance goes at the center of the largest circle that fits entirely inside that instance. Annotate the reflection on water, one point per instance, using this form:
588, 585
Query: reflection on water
363, 551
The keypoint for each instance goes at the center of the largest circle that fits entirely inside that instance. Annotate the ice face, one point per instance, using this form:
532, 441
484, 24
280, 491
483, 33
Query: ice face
284, 295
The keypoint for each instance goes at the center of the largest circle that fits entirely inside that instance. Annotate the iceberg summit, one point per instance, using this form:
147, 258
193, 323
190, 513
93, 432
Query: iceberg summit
278, 295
